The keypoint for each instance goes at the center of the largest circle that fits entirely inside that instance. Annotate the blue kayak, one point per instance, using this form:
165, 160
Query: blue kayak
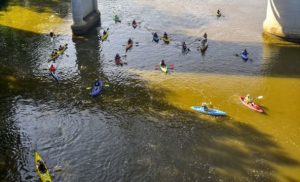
213, 112
244, 57
97, 88
54, 75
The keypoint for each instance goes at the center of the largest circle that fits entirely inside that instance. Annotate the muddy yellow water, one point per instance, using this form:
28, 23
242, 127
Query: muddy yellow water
280, 101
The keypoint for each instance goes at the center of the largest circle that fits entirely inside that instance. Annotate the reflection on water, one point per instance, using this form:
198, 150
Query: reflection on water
142, 128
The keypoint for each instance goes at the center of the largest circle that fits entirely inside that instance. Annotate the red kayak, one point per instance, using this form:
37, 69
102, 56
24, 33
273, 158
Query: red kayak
251, 105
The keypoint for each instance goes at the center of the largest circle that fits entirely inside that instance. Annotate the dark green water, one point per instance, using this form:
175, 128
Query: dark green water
131, 132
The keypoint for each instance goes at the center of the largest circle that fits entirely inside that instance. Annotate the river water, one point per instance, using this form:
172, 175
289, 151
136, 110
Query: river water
142, 128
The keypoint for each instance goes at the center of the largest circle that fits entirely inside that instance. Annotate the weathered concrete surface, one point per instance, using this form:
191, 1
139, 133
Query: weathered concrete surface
282, 19
85, 16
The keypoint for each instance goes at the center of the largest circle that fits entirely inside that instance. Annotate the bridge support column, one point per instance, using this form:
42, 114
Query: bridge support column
282, 19
85, 16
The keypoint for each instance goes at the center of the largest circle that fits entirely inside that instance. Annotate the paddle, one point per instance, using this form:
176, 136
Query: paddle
136, 44
259, 97
105, 85
157, 66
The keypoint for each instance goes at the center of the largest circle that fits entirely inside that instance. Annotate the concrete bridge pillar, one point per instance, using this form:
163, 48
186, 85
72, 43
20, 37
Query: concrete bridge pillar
282, 19
85, 16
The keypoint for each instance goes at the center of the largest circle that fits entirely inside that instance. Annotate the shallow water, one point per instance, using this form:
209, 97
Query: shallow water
142, 128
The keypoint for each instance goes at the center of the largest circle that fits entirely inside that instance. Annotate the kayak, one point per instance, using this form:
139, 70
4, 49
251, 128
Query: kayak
213, 112
129, 46
156, 39
54, 75
58, 53
203, 45
117, 19
166, 40
104, 37
251, 105
97, 88
244, 57
45, 177
164, 69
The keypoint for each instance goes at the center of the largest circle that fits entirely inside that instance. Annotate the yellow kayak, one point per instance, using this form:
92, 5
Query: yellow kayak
104, 37
58, 53
44, 175
166, 40
164, 69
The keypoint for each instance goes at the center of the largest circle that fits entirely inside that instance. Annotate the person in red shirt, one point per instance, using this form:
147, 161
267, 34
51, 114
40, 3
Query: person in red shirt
52, 68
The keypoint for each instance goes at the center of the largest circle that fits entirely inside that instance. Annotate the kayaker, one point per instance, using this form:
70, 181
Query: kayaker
248, 99
204, 106
184, 47
104, 32
53, 53
162, 63
245, 52
129, 41
41, 167
218, 13
118, 60
155, 35
165, 35
205, 35
61, 47
51, 34
52, 68
133, 22
97, 83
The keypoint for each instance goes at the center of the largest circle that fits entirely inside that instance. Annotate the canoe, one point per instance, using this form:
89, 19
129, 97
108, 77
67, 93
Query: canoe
203, 45
213, 112
97, 88
244, 57
251, 105
166, 40
44, 176
54, 75
104, 37
164, 69
58, 53
129, 46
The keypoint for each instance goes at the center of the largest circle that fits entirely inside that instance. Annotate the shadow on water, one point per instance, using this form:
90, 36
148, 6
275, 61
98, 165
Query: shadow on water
162, 143
59, 7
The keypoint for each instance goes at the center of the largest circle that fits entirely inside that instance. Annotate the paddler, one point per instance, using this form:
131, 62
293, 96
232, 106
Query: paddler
165, 35
162, 63
184, 47
204, 106
41, 167
134, 23
245, 52
218, 13
52, 68
129, 41
248, 99
118, 60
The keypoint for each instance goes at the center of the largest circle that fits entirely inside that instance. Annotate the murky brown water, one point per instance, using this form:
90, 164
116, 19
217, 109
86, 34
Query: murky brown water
142, 128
